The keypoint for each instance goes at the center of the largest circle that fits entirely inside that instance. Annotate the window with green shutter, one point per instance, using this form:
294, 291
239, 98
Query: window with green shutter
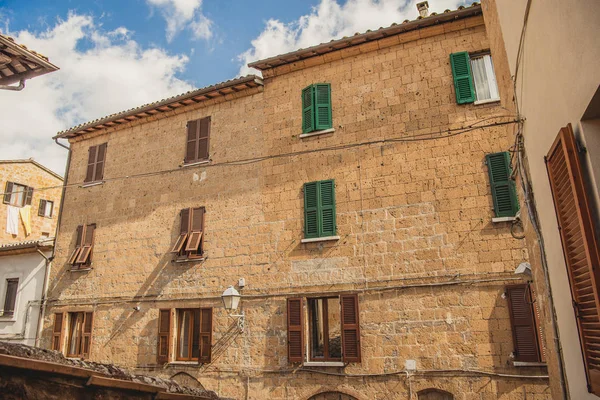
316, 108
319, 209
504, 191
463, 78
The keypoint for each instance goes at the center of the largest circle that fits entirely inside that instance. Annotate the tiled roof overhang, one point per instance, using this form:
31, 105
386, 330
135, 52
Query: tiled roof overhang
395, 29
165, 105
27, 244
19, 63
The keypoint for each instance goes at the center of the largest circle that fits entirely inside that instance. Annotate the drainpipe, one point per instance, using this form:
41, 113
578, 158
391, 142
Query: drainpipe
14, 88
38, 332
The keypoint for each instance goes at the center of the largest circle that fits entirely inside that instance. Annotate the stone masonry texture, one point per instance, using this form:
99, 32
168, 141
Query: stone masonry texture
414, 213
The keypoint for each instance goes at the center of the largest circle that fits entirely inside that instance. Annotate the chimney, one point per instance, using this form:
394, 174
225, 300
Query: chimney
423, 8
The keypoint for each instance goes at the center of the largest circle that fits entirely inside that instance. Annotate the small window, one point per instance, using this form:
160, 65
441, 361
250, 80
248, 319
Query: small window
81, 257
17, 195
192, 334
504, 191
10, 297
316, 108
96, 161
46, 208
198, 134
484, 78
528, 346
80, 334
319, 209
474, 78
190, 241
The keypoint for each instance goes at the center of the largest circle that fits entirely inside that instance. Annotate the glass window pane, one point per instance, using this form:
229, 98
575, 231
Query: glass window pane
491, 76
334, 322
48, 211
184, 334
480, 78
317, 332
75, 334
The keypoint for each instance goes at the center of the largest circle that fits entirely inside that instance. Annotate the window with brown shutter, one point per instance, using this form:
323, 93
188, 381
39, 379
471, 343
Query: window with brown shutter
80, 334
194, 335
57, 332
17, 195
580, 246
45, 209
96, 160
198, 135
295, 333
525, 331
189, 242
81, 257
350, 328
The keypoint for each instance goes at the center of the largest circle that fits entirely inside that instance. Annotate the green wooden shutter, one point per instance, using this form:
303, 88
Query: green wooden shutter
308, 114
322, 106
504, 191
327, 208
463, 78
311, 211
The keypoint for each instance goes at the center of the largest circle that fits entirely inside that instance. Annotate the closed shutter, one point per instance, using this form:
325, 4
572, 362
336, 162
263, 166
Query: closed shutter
57, 332
206, 329
28, 195
196, 228
42, 208
311, 210
203, 139
164, 336
580, 246
78, 245
86, 336
504, 191
350, 328
463, 78
88, 244
322, 106
522, 317
308, 114
7, 192
90, 172
100, 159
327, 225
192, 141
295, 318
184, 229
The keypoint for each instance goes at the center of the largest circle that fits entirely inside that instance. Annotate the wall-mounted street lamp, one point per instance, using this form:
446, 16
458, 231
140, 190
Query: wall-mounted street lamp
231, 300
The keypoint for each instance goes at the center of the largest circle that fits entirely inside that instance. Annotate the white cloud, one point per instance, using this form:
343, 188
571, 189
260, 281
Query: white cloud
331, 19
181, 14
100, 73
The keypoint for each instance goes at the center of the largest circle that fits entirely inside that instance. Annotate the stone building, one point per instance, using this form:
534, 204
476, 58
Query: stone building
359, 198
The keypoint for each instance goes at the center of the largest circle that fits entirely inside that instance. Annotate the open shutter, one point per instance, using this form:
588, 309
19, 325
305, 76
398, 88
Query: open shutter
196, 229
350, 328
504, 191
100, 157
184, 229
7, 192
42, 208
206, 329
322, 106
88, 244
327, 225
308, 113
28, 195
86, 336
580, 246
463, 78
78, 245
91, 167
522, 318
311, 210
295, 319
57, 332
203, 139
164, 336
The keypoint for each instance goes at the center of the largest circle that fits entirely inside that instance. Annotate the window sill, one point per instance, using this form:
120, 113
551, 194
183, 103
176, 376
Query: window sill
320, 239
479, 102
317, 133
196, 363
184, 165
323, 364
80, 269
503, 219
529, 364
8, 318
90, 184
189, 260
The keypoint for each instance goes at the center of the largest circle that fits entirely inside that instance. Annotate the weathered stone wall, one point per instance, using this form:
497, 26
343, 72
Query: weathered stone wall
413, 215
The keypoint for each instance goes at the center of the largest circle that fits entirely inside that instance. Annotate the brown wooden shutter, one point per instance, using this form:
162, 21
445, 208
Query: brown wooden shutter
206, 328
525, 335
196, 229
90, 172
203, 138
57, 332
8, 192
86, 336
192, 141
28, 195
78, 244
184, 229
88, 244
580, 246
42, 208
164, 336
350, 328
100, 157
295, 318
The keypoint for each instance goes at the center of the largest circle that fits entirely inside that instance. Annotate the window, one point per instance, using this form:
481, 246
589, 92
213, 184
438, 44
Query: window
81, 257
17, 195
10, 297
525, 326
474, 78
333, 329
319, 209
46, 208
316, 108
504, 191
189, 242
80, 334
192, 332
580, 245
198, 133
96, 160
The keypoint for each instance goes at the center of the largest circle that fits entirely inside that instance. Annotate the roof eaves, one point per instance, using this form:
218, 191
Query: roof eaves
27, 244
36, 58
